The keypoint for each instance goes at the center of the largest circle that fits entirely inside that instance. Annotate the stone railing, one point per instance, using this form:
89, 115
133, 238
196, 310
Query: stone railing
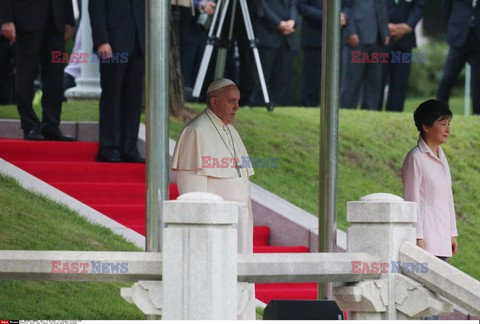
383, 275
383, 225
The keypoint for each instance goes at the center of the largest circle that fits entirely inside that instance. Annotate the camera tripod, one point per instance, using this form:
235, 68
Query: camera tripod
214, 41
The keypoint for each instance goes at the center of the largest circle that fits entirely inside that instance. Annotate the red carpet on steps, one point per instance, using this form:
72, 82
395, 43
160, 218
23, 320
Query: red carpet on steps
118, 191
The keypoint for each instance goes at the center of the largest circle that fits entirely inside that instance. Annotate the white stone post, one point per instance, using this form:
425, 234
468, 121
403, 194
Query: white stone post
380, 223
199, 258
246, 291
88, 84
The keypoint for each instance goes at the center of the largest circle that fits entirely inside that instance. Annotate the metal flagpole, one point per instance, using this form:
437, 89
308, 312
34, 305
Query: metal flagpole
468, 80
157, 108
330, 85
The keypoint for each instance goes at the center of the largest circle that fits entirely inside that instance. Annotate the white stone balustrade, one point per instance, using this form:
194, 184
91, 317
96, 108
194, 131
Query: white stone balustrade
196, 276
442, 278
200, 258
380, 223
367, 296
416, 301
37, 265
146, 295
302, 267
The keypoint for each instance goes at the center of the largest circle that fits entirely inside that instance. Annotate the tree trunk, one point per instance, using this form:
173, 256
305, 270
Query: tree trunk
176, 96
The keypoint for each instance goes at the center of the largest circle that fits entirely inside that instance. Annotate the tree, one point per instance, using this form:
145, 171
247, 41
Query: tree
176, 95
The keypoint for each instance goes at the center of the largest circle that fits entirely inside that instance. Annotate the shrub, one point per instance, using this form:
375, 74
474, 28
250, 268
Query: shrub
425, 76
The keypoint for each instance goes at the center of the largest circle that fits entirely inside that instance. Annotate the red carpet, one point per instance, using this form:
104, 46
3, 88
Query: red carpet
118, 191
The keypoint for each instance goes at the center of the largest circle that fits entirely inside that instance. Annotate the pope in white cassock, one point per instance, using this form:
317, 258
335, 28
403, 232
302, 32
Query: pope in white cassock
210, 156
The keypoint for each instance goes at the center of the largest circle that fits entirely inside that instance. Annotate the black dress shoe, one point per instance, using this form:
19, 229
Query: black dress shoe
108, 157
133, 159
56, 134
33, 135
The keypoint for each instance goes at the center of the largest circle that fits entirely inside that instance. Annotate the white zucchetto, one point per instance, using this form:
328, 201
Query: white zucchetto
219, 83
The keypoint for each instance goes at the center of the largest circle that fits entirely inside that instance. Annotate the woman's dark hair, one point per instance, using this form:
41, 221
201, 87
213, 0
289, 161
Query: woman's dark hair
430, 111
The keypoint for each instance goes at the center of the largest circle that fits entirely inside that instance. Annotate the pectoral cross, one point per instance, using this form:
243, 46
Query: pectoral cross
238, 167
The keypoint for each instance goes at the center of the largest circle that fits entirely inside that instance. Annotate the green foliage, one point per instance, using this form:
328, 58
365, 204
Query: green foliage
71, 111
259, 313
425, 76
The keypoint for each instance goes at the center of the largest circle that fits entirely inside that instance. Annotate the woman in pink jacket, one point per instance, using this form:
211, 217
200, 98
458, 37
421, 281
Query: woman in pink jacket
427, 181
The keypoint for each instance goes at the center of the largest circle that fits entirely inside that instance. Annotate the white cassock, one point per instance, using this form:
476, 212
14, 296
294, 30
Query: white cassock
204, 159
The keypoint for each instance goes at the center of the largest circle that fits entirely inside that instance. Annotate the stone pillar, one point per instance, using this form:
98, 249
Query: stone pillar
246, 291
380, 223
199, 258
88, 84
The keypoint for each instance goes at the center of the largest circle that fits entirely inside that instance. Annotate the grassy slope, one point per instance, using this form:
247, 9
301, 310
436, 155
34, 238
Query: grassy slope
32, 222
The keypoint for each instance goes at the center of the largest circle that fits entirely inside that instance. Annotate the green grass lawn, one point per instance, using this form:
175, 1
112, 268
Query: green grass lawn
32, 222
372, 146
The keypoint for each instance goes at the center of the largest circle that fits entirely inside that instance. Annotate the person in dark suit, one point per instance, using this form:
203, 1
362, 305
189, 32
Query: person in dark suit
6, 72
182, 12
38, 27
247, 76
311, 41
274, 26
367, 32
196, 41
118, 29
403, 17
463, 37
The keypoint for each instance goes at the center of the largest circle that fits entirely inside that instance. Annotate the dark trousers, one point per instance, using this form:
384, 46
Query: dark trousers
456, 59
182, 18
311, 76
120, 105
277, 66
6, 72
247, 77
396, 76
191, 58
34, 49
358, 75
